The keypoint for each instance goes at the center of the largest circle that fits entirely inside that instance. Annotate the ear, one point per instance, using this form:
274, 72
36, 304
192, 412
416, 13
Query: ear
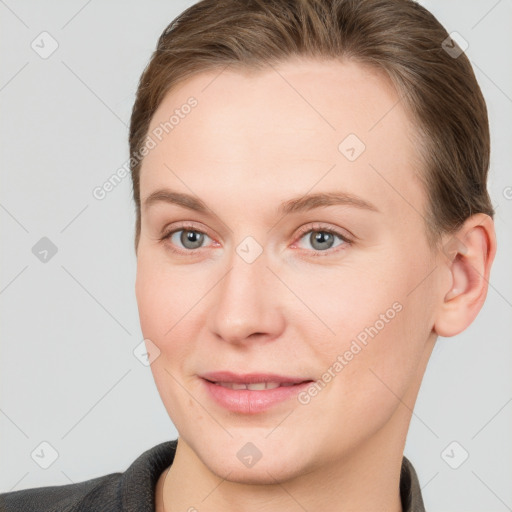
467, 257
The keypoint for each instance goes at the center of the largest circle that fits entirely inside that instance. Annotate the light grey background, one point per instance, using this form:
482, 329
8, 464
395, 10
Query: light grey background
69, 326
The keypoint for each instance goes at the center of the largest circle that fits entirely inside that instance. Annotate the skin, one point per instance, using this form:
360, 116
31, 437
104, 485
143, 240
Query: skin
251, 144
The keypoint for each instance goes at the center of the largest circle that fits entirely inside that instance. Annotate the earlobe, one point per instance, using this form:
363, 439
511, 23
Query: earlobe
468, 261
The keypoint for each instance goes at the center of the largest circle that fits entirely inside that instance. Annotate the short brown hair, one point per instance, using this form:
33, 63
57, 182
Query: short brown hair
400, 37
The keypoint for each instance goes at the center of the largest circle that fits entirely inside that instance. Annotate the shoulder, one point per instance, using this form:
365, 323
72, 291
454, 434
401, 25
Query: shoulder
410, 490
62, 497
131, 490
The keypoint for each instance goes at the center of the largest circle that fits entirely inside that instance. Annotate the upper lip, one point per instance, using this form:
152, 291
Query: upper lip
251, 378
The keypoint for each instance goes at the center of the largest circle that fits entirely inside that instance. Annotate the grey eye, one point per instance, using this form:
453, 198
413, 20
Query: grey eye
321, 240
189, 238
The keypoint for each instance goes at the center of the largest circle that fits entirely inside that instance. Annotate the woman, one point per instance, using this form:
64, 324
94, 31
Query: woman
312, 212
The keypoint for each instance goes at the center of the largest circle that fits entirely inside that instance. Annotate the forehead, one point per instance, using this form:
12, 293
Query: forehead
285, 129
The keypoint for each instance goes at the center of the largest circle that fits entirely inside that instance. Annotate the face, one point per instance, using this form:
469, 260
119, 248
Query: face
335, 291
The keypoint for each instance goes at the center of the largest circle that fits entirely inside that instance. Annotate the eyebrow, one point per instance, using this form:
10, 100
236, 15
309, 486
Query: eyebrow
294, 205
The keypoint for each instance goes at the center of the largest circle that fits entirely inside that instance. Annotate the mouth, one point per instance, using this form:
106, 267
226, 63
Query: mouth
252, 393
258, 386
254, 381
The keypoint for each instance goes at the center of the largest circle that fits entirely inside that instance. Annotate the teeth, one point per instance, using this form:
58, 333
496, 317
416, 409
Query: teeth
258, 386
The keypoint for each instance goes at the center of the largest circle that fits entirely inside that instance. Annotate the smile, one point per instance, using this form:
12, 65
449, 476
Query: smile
251, 393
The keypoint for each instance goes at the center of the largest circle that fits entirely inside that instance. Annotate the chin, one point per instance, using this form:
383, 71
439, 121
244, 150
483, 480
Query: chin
260, 462
266, 472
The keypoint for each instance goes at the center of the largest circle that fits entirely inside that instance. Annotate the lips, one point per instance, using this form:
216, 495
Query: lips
251, 393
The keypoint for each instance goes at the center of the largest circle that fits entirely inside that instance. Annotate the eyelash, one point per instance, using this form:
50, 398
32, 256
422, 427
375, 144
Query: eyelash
303, 231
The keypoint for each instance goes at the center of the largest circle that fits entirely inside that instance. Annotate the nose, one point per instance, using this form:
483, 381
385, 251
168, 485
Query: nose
246, 303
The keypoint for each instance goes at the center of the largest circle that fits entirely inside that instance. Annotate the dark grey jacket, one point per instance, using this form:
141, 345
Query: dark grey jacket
134, 490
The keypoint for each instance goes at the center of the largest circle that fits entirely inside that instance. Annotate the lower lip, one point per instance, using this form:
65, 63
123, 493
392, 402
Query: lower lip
252, 402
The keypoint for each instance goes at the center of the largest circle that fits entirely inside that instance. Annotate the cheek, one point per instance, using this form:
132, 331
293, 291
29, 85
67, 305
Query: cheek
379, 323
171, 311
163, 300
368, 369
163, 295
160, 300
